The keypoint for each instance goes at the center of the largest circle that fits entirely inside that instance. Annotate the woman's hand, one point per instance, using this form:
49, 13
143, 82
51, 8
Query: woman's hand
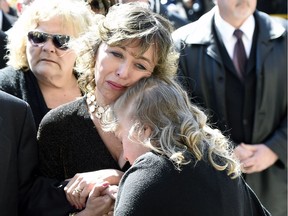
100, 201
79, 187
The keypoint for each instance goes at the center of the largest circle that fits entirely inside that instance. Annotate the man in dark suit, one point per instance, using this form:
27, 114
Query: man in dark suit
3, 43
249, 103
18, 151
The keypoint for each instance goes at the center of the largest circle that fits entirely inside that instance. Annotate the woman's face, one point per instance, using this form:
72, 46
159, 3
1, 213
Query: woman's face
50, 64
118, 68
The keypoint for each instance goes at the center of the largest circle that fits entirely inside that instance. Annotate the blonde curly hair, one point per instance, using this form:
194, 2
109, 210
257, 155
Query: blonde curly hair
178, 127
72, 12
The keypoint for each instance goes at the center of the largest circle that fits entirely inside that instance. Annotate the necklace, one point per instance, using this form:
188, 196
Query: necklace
94, 107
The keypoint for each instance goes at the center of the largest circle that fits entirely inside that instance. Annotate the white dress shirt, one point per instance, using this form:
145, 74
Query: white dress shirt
226, 31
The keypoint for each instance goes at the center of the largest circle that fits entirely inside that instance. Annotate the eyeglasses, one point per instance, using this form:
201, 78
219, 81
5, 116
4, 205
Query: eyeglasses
39, 38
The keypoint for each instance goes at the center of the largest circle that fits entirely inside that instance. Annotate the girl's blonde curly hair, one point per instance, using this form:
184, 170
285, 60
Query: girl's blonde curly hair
179, 128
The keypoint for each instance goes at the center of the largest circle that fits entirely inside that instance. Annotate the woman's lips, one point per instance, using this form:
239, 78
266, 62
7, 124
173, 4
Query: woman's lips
115, 85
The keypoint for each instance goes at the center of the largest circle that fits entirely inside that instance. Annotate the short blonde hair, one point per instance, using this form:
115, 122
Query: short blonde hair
126, 23
72, 12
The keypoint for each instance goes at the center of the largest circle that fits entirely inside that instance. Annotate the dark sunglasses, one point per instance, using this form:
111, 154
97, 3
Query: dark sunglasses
38, 38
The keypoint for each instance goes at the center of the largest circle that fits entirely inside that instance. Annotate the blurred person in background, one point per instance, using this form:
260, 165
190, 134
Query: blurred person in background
157, 7
188, 9
9, 8
100, 6
6, 20
21, 5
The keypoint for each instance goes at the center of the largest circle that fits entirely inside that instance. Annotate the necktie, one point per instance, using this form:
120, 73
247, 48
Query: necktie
239, 55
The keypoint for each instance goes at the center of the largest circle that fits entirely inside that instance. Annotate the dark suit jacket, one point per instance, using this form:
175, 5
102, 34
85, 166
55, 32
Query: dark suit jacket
202, 64
19, 154
3, 43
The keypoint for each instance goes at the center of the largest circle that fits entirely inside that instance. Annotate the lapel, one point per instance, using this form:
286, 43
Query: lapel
218, 77
217, 70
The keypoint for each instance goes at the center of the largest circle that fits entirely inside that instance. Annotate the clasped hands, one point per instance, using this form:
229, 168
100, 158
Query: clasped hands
254, 158
94, 193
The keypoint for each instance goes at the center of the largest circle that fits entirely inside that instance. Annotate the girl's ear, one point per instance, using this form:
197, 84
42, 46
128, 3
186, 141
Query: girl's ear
147, 131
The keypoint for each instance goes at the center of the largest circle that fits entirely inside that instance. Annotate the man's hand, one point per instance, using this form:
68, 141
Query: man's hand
255, 158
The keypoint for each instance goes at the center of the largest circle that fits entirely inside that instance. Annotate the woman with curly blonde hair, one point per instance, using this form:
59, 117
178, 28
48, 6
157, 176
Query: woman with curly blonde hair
180, 165
40, 64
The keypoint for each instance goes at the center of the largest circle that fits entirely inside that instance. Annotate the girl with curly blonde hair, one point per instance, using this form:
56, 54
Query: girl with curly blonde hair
180, 164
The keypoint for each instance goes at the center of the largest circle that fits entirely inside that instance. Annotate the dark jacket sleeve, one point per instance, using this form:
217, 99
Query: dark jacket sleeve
27, 153
19, 154
45, 198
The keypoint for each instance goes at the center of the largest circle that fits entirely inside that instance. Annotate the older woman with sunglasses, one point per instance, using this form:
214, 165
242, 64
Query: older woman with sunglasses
40, 65
130, 43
